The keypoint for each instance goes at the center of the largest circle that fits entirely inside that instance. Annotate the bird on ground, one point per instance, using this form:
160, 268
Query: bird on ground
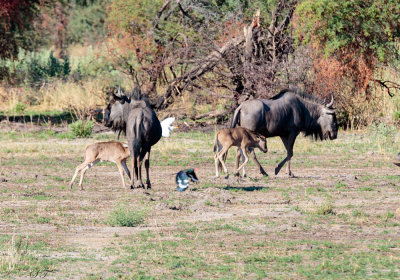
182, 178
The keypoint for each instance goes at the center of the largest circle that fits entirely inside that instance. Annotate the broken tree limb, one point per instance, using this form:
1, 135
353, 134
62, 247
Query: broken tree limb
181, 83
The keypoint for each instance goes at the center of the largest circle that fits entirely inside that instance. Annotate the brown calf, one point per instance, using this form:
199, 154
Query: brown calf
243, 139
104, 151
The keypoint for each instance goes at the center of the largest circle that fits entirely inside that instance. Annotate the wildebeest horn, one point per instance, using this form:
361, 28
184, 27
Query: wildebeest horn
119, 92
330, 103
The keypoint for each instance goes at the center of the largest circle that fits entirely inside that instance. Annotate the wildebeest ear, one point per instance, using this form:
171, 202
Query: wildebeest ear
121, 98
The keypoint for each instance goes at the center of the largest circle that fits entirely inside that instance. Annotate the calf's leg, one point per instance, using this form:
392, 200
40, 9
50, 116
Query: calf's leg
84, 170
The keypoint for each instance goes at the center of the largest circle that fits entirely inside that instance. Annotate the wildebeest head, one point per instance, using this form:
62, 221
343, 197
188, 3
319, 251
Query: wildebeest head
327, 121
114, 113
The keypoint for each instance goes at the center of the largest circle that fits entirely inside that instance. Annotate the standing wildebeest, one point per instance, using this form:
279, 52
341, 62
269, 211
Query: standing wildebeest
134, 116
286, 115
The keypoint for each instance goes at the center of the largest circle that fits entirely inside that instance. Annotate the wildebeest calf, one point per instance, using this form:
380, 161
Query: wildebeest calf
243, 139
104, 151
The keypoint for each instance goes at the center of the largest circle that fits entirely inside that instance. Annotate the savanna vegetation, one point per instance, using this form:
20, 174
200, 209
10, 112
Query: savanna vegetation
197, 60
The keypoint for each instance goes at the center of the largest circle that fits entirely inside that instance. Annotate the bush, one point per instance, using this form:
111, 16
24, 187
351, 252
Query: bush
122, 216
81, 129
325, 209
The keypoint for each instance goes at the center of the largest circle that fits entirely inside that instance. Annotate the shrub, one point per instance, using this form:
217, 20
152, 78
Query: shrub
124, 217
19, 108
325, 209
81, 129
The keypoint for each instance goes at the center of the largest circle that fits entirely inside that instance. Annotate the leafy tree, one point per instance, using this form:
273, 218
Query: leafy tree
16, 18
359, 34
86, 21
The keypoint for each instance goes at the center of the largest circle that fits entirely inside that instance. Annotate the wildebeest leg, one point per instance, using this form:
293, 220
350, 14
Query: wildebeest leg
288, 142
138, 169
143, 152
126, 169
253, 156
147, 166
121, 172
134, 170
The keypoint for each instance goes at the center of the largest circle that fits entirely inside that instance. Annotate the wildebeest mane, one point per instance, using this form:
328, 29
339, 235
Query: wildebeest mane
313, 105
302, 94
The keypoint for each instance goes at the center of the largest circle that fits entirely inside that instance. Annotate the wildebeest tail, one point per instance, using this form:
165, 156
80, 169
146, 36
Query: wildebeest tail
235, 117
137, 143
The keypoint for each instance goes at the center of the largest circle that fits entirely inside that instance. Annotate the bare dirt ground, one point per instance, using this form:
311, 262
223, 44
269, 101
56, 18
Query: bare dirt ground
336, 219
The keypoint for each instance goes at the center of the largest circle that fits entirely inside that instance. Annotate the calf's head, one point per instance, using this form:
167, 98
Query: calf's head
262, 143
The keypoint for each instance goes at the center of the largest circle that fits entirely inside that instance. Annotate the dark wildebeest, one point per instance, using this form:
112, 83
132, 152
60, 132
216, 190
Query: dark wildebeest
133, 115
286, 115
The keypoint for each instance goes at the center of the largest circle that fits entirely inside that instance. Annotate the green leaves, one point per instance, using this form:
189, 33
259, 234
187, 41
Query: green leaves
371, 26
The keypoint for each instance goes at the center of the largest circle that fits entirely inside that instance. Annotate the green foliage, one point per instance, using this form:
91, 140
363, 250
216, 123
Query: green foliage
34, 68
123, 216
19, 108
86, 21
370, 26
81, 128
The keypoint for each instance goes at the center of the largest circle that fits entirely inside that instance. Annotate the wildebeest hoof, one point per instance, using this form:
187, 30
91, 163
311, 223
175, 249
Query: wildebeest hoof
227, 176
236, 174
277, 171
148, 186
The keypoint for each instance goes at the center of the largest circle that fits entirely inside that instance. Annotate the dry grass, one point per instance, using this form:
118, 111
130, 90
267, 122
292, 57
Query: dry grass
334, 221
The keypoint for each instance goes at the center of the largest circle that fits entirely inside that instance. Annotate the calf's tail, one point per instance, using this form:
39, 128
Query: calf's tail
216, 142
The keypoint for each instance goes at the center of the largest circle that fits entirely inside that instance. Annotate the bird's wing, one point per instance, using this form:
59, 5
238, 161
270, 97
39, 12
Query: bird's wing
168, 121
166, 126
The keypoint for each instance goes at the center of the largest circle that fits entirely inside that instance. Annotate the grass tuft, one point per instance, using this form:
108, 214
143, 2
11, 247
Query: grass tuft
122, 216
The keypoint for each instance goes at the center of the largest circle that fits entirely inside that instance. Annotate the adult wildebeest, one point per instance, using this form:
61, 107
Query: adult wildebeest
286, 115
133, 115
